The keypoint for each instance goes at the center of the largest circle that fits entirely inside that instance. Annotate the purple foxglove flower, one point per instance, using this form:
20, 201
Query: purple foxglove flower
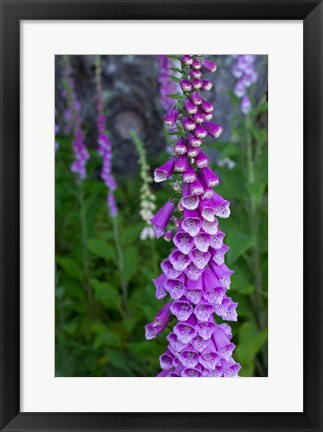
175, 288
208, 193
197, 83
240, 89
206, 85
227, 309
205, 329
185, 332
201, 160
221, 206
202, 241
166, 360
168, 237
183, 241
200, 259
199, 344
207, 106
196, 64
191, 373
189, 358
198, 117
164, 171
188, 124
196, 187
199, 131
186, 85
230, 368
195, 73
223, 274
171, 117
218, 255
209, 359
196, 98
213, 130
217, 240
210, 227
194, 295
194, 274
208, 116
193, 140
179, 260
214, 295
190, 108
169, 271
207, 210
209, 280
175, 343
80, 151
189, 175
182, 310
181, 164
190, 202
192, 151
209, 65
192, 222
245, 105
159, 323
162, 218
209, 178
187, 59
160, 286
180, 147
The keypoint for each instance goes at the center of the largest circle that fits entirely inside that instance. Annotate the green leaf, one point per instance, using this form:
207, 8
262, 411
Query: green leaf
130, 262
230, 150
175, 96
106, 294
250, 343
131, 234
71, 267
118, 360
174, 78
101, 249
239, 243
240, 283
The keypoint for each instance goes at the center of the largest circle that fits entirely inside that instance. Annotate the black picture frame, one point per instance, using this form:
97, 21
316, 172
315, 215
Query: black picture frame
14, 11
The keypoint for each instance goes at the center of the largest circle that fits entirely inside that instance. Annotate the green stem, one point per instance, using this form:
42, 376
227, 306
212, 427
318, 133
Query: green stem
84, 238
123, 282
154, 255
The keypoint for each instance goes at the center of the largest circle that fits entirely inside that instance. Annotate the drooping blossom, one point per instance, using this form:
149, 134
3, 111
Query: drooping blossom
104, 143
246, 75
147, 198
194, 276
75, 120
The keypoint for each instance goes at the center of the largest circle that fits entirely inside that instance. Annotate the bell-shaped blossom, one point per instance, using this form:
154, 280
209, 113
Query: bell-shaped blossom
164, 171
159, 323
214, 130
162, 218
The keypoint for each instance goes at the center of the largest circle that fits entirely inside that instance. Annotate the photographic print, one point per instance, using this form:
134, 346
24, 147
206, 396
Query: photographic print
161, 215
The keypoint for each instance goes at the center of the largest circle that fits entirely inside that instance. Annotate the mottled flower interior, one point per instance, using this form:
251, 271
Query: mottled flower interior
194, 275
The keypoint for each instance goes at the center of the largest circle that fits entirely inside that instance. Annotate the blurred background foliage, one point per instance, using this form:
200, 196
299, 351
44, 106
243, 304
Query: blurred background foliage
99, 332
